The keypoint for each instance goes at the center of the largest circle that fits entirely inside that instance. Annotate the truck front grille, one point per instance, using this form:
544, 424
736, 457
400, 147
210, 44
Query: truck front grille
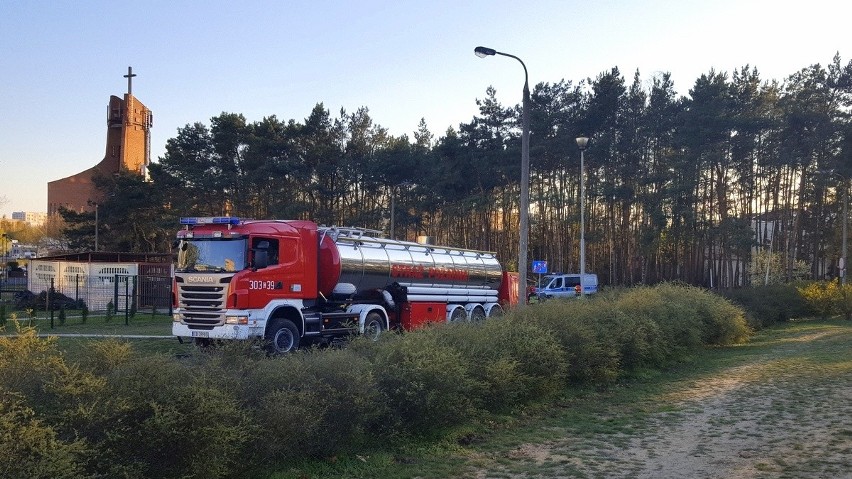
202, 306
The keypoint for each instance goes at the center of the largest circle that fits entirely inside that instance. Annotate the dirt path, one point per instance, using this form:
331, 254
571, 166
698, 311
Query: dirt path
785, 413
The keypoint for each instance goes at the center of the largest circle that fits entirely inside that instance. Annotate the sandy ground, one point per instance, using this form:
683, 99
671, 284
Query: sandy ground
777, 416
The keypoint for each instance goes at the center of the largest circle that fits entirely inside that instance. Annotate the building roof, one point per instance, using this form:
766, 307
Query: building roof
111, 257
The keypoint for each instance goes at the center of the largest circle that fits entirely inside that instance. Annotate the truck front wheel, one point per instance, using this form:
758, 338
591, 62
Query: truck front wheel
373, 326
282, 337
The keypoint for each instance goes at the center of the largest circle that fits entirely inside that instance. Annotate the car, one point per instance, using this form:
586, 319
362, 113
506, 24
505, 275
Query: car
566, 285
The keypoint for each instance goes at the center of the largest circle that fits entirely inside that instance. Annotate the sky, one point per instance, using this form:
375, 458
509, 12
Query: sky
404, 60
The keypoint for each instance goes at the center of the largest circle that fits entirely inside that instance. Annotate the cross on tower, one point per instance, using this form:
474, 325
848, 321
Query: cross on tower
129, 77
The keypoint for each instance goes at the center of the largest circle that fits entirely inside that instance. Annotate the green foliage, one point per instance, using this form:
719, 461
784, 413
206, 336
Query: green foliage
110, 311
680, 330
821, 296
768, 305
302, 400
646, 327
427, 385
768, 268
130, 217
826, 298
514, 361
589, 354
845, 301
228, 409
3, 317
30, 448
106, 356
723, 323
62, 315
30, 365
160, 418
84, 313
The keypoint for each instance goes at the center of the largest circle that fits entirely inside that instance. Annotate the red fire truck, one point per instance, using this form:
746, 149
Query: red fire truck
295, 283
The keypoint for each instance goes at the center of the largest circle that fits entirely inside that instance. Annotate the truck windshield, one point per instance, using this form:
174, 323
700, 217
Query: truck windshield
211, 254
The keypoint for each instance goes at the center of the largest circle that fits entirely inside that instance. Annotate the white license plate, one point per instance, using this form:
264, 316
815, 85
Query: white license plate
200, 334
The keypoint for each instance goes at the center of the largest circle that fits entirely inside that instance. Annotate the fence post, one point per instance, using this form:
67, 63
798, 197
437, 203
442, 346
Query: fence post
115, 294
77, 287
47, 302
126, 300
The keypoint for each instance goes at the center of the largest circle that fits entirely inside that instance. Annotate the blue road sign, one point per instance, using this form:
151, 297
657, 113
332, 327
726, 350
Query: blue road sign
539, 267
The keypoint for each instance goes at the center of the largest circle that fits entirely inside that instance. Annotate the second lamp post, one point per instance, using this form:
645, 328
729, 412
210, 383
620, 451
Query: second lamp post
582, 142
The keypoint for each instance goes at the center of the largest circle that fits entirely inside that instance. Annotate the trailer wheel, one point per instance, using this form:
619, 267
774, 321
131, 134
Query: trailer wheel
477, 314
373, 326
458, 315
282, 337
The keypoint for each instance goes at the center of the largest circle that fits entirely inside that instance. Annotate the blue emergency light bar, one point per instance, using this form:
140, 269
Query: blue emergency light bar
210, 220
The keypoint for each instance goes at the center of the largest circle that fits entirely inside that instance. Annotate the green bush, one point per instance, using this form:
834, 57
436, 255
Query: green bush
768, 305
105, 356
679, 330
644, 327
31, 367
589, 353
229, 409
427, 385
32, 449
511, 361
826, 297
845, 301
723, 322
164, 418
311, 403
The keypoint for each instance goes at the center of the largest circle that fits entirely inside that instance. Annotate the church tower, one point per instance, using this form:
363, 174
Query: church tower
128, 148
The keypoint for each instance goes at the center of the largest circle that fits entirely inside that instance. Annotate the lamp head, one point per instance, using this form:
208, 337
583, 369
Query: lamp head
582, 142
483, 52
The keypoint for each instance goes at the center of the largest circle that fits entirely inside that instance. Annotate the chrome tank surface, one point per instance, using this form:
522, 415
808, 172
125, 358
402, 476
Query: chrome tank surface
368, 262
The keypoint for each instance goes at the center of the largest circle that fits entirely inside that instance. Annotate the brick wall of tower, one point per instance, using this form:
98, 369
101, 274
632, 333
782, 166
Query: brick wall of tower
128, 127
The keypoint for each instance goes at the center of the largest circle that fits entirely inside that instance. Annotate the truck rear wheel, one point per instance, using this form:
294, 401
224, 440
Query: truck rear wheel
458, 315
282, 337
373, 326
477, 314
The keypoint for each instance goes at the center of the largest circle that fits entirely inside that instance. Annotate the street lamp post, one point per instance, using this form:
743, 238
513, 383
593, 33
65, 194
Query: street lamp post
523, 245
582, 142
3, 237
844, 267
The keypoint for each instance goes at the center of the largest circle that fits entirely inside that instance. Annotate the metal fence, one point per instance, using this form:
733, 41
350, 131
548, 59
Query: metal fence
124, 292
